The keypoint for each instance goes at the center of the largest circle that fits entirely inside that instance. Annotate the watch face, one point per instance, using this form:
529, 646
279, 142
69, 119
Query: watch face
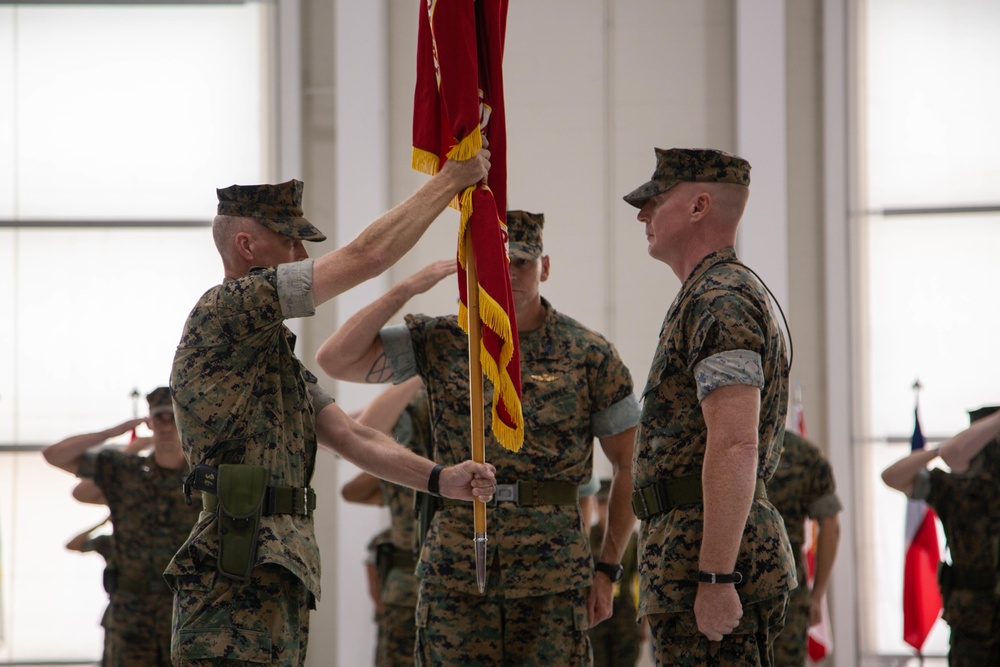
614, 572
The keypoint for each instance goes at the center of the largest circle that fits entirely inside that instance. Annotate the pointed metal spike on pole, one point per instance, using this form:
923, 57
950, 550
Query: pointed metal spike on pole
135, 402
481, 541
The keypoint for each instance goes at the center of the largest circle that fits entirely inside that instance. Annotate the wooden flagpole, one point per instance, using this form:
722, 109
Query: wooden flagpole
476, 401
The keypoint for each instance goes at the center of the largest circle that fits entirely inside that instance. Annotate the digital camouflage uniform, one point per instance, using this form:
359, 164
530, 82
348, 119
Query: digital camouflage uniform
615, 641
967, 506
396, 560
720, 327
103, 545
574, 388
150, 520
802, 487
241, 396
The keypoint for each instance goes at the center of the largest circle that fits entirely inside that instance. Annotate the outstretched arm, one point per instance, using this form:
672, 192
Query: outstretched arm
959, 450
903, 473
354, 351
385, 458
389, 237
66, 454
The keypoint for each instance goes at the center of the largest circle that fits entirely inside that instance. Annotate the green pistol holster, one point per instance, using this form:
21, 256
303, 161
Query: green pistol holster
241, 491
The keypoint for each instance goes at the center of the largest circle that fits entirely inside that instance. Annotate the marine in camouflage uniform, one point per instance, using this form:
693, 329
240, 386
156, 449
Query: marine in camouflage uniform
539, 565
968, 505
399, 586
243, 399
720, 348
393, 551
616, 641
802, 487
102, 544
151, 520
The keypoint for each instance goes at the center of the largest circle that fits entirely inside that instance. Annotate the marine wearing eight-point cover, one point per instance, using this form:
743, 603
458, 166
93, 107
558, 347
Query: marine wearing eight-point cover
802, 487
151, 520
575, 388
244, 400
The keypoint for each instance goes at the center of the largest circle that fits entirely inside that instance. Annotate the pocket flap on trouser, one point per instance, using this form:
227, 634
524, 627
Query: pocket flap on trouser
231, 643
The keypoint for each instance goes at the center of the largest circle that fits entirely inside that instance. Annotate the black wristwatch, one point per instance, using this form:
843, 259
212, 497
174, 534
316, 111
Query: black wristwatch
714, 578
613, 570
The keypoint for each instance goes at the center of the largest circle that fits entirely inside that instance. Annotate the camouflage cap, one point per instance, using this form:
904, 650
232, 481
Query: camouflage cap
277, 207
525, 234
159, 401
979, 413
694, 165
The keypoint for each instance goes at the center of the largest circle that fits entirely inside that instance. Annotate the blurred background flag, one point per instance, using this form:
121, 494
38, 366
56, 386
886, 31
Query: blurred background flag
921, 595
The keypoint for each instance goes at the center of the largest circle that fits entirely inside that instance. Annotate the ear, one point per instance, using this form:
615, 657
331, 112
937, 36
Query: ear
244, 245
545, 269
700, 206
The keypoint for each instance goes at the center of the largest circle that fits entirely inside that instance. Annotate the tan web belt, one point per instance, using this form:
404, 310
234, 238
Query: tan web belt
530, 494
665, 495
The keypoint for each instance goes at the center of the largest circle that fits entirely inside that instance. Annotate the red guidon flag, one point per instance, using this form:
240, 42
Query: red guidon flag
459, 93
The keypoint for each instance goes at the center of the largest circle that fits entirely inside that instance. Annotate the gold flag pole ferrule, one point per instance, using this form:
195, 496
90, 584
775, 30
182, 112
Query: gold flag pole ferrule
476, 415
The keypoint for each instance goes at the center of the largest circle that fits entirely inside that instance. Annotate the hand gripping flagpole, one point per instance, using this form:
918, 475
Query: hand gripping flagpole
476, 402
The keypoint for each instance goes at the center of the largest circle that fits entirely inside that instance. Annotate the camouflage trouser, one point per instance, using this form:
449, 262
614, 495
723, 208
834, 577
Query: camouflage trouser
615, 642
791, 645
397, 633
137, 631
677, 641
493, 631
119, 652
973, 651
224, 622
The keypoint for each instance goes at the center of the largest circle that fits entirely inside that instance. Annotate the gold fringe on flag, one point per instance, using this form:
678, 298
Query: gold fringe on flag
494, 317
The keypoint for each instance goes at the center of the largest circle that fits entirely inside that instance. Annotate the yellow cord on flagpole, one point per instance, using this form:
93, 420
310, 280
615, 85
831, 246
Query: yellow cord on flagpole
476, 401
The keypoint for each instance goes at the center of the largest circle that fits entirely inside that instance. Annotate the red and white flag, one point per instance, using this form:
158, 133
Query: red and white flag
820, 636
921, 595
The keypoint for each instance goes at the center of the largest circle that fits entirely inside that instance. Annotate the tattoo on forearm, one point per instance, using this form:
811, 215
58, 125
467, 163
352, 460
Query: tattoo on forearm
380, 372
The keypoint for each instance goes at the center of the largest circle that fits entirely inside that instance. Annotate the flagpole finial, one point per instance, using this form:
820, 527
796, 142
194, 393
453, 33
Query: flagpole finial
917, 386
135, 402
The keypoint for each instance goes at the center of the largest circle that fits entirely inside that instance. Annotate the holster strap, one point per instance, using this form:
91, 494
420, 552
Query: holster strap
665, 495
969, 578
298, 500
530, 494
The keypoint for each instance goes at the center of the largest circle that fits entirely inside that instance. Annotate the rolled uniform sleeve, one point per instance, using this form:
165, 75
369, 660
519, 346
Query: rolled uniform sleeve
398, 346
922, 485
294, 284
616, 418
826, 506
730, 367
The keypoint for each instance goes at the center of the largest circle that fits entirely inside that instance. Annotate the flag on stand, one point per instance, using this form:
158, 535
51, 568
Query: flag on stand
921, 595
459, 94
820, 636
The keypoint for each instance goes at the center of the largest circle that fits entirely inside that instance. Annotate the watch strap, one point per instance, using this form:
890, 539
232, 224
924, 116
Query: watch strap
714, 578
